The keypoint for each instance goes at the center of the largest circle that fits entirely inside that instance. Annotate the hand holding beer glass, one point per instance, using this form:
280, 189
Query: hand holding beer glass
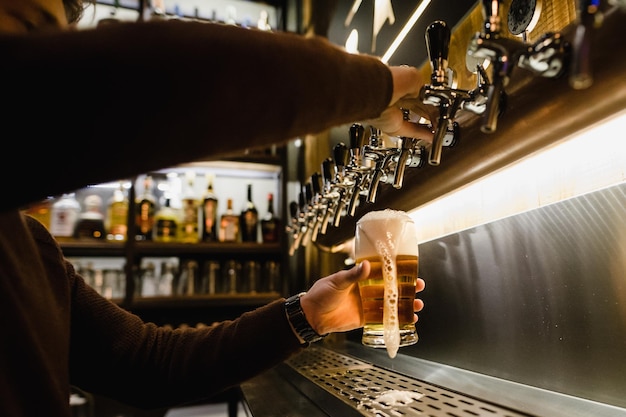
388, 240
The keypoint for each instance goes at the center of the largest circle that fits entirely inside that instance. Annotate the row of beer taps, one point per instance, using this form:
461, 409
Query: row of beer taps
355, 172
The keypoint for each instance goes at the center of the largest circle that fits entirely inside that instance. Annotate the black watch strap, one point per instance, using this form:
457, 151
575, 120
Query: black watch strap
298, 320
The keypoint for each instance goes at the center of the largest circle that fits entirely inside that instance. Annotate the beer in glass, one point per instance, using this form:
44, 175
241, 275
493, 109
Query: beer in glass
388, 240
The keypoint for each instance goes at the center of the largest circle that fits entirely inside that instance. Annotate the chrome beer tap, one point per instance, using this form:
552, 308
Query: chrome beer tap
356, 172
318, 203
439, 93
303, 219
409, 154
382, 158
294, 227
342, 182
333, 194
489, 46
310, 212
546, 58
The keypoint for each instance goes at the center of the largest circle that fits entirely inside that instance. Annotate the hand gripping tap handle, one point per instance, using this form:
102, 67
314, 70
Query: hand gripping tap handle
438, 45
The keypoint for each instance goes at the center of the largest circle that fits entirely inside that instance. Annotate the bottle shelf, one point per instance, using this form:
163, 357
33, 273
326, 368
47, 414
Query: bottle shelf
214, 300
213, 248
82, 248
93, 248
131, 272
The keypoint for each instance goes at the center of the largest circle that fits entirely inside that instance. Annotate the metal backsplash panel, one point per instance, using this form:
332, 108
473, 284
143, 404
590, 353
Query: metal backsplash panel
538, 298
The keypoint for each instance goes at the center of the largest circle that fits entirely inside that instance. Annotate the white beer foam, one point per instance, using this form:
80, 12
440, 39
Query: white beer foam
394, 224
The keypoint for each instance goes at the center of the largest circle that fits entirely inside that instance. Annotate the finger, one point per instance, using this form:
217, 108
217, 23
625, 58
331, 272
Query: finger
420, 284
345, 279
418, 305
415, 130
392, 123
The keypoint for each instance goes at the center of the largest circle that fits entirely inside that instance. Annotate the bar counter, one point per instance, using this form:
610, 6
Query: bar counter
340, 377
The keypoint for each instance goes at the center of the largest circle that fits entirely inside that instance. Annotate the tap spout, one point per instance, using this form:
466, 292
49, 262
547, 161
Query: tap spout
436, 147
407, 147
380, 172
494, 93
354, 194
340, 206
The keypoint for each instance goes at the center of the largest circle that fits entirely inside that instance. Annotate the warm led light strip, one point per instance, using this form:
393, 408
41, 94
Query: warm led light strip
405, 30
562, 171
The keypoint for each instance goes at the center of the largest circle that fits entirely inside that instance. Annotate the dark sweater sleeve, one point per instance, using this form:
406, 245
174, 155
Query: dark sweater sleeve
125, 99
112, 351
115, 354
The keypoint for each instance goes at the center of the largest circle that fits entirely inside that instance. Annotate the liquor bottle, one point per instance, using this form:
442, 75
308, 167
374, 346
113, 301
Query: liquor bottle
41, 210
90, 223
249, 219
149, 281
209, 213
166, 223
166, 282
117, 215
187, 280
229, 224
189, 227
63, 217
144, 211
270, 223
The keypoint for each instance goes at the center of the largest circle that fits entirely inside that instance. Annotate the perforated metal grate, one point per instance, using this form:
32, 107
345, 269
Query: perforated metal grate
378, 392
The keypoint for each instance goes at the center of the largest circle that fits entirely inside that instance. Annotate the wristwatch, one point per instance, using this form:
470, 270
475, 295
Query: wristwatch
298, 320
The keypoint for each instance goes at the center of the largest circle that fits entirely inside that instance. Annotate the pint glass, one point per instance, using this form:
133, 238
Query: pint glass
387, 239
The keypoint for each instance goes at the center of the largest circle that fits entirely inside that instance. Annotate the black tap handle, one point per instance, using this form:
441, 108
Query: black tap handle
308, 192
340, 153
491, 13
438, 45
301, 201
490, 8
316, 182
357, 136
293, 209
327, 170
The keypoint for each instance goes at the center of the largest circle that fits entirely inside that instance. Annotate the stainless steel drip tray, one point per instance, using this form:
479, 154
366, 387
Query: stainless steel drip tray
347, 380
371, 390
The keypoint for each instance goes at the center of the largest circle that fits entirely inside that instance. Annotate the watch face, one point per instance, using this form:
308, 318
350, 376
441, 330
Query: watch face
523, 15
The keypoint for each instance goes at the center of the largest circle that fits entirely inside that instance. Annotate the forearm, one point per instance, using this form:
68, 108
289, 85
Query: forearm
199, 90
156, 367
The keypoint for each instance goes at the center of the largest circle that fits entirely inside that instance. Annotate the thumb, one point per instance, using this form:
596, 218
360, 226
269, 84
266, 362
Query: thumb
345, 279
